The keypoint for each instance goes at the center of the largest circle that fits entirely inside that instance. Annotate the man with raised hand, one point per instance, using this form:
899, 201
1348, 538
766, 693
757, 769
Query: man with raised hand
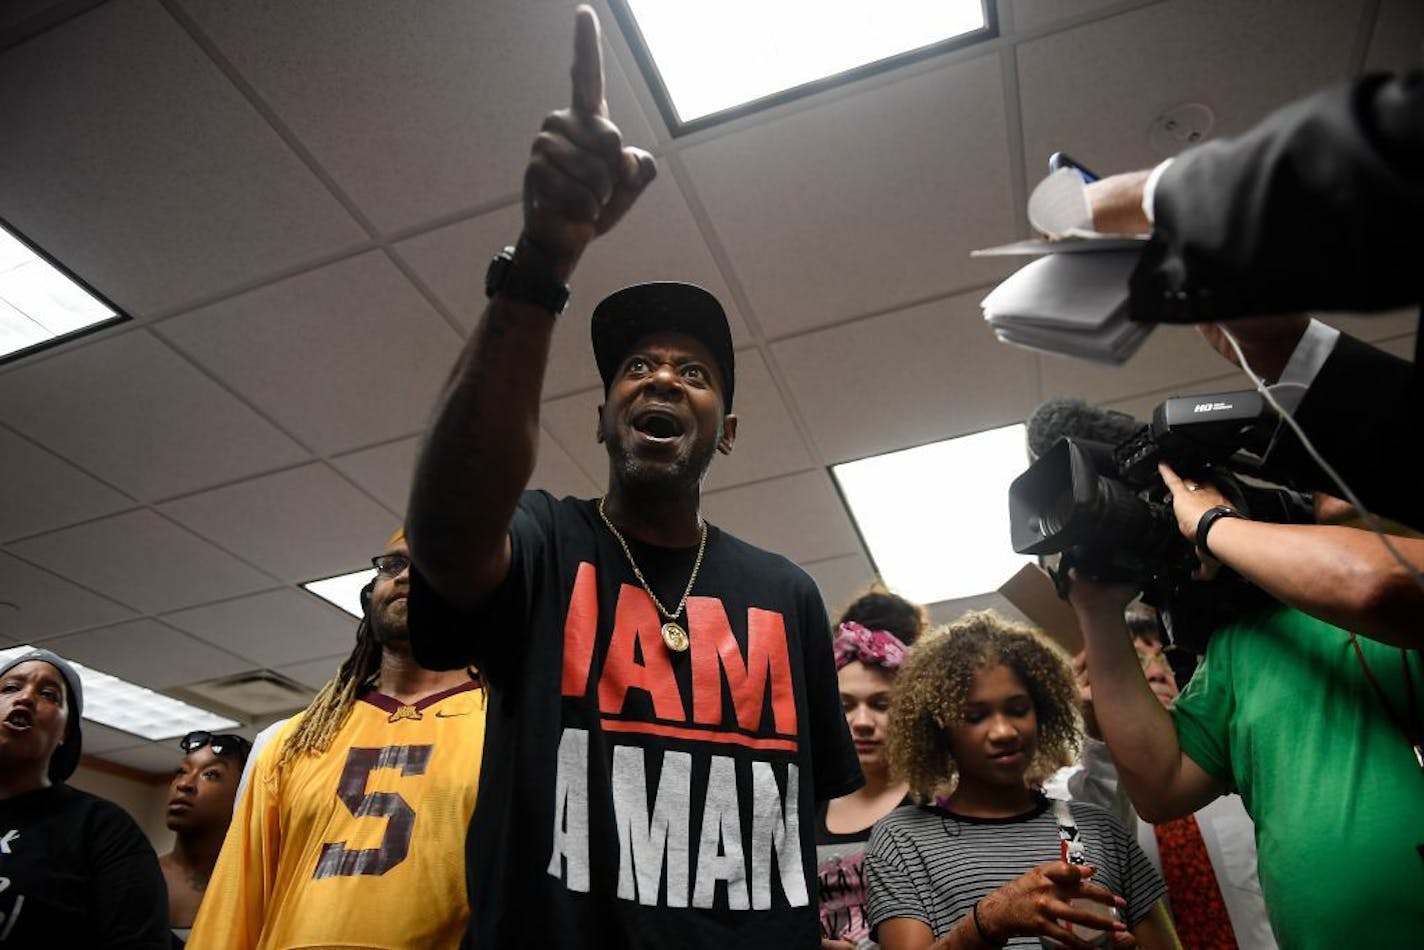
663, 710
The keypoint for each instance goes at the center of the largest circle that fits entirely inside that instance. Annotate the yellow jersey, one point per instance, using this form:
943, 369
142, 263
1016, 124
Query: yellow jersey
361, 847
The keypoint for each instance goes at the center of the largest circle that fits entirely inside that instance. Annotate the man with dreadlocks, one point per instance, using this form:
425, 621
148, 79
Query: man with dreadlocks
347, 834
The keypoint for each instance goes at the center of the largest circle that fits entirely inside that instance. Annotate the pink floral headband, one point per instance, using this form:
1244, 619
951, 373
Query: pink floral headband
871, 647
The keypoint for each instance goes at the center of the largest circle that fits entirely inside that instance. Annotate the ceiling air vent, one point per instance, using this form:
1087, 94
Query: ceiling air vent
252, 696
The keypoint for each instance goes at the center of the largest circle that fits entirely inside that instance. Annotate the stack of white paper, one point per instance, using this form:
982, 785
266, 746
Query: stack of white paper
1073, 304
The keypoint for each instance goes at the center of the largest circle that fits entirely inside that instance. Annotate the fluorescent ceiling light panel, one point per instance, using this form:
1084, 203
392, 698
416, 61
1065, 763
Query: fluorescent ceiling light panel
40, 303
344, 591
132, 708
936, 518
711, 57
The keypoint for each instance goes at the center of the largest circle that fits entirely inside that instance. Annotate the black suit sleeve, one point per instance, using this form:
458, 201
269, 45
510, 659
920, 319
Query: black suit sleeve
1362, 413
1317, 208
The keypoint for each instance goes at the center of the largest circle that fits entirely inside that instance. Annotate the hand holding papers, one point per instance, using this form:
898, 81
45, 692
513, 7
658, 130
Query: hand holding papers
1073, 300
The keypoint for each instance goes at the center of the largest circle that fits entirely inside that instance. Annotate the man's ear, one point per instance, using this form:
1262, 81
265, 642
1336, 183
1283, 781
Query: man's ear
598, 432
729, 434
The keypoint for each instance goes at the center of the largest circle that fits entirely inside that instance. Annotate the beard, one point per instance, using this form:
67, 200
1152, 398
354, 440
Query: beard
658, 476
388, 624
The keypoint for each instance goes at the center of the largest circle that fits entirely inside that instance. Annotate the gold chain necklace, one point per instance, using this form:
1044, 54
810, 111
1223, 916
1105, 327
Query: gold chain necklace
673, 633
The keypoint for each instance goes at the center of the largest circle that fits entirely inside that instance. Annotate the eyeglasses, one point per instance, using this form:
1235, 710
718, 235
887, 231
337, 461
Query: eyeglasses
391, 565
220, 744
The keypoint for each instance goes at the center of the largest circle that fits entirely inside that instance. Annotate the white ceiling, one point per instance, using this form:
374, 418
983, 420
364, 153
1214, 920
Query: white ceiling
296, 201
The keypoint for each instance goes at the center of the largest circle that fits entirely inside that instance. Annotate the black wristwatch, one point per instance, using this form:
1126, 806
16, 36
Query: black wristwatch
506, 278
1210, 517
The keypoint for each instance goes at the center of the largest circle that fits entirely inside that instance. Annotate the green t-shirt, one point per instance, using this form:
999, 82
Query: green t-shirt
1281, 711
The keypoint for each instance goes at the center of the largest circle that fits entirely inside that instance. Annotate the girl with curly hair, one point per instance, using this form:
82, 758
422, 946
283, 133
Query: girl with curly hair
871, 644
982, 712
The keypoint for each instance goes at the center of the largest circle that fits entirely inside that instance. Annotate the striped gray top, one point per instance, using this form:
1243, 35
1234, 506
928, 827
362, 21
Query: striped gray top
933, 866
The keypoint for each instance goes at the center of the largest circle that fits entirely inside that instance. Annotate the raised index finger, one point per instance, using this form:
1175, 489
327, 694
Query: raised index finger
587, 72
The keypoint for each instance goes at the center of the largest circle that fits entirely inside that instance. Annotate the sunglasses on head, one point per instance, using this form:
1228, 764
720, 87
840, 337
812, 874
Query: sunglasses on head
220, 744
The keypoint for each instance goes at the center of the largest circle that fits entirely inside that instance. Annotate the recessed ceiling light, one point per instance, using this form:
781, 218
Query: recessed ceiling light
132, 708
935, 519
41, 303
711, 60
344, 590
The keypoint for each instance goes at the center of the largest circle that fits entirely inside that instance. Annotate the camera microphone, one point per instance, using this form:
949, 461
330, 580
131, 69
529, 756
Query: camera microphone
1063, 416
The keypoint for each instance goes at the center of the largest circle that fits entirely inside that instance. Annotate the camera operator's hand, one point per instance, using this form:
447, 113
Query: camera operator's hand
580, 180
1190, 500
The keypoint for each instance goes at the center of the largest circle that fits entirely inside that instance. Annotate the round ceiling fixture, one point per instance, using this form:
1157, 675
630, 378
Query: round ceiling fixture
1180, 127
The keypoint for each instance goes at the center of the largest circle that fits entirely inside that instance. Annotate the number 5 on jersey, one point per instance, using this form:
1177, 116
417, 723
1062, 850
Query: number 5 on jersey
336, 859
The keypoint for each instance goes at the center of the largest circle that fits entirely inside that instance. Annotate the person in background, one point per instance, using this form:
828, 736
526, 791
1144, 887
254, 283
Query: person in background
1208, 859
75, 871
349, 832
200, 801
982, 711
871, 643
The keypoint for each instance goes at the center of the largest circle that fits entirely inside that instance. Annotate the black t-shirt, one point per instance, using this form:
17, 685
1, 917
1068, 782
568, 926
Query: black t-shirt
75, 871
632, 796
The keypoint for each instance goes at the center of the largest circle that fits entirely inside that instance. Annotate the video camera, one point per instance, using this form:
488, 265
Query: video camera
1100, 506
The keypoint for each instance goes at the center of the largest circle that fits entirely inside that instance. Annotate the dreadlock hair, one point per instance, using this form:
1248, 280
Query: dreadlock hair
879, 609
934, 685
327, 712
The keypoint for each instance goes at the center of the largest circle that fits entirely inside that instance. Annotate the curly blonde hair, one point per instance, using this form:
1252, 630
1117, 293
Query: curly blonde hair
934, 685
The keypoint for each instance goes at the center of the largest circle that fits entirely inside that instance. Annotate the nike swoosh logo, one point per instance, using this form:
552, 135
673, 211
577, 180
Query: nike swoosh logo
442, 714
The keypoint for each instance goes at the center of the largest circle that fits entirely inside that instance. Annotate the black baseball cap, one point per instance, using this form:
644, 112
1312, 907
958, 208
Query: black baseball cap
626, 316
66, 758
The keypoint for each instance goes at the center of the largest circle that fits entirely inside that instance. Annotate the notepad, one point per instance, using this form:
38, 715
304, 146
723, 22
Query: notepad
1070, 304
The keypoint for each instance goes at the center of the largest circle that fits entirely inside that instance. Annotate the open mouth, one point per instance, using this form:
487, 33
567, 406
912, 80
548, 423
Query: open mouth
1008, 755
658, 425
20, 719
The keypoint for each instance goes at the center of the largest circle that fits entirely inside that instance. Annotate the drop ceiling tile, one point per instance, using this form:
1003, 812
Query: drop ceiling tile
768, 441
1398, 38
383, 471
1172, 355
1036, 14
43, 491
148, 653
278, 628
343, 356
139, 416
155, 758
142, 560
799, 516
841, 580
1095, 90
314, 673
1375, 326
301, 524
905, 378
48, 605
1402, 347
133, 159
556, 472
864, 203
100, 739
412, 115
572, 421
658, 240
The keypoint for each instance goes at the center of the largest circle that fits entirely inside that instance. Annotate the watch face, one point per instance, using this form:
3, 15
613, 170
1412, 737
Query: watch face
497, 271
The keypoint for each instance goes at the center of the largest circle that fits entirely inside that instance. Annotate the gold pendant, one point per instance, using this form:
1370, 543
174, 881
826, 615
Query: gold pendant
675, 637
